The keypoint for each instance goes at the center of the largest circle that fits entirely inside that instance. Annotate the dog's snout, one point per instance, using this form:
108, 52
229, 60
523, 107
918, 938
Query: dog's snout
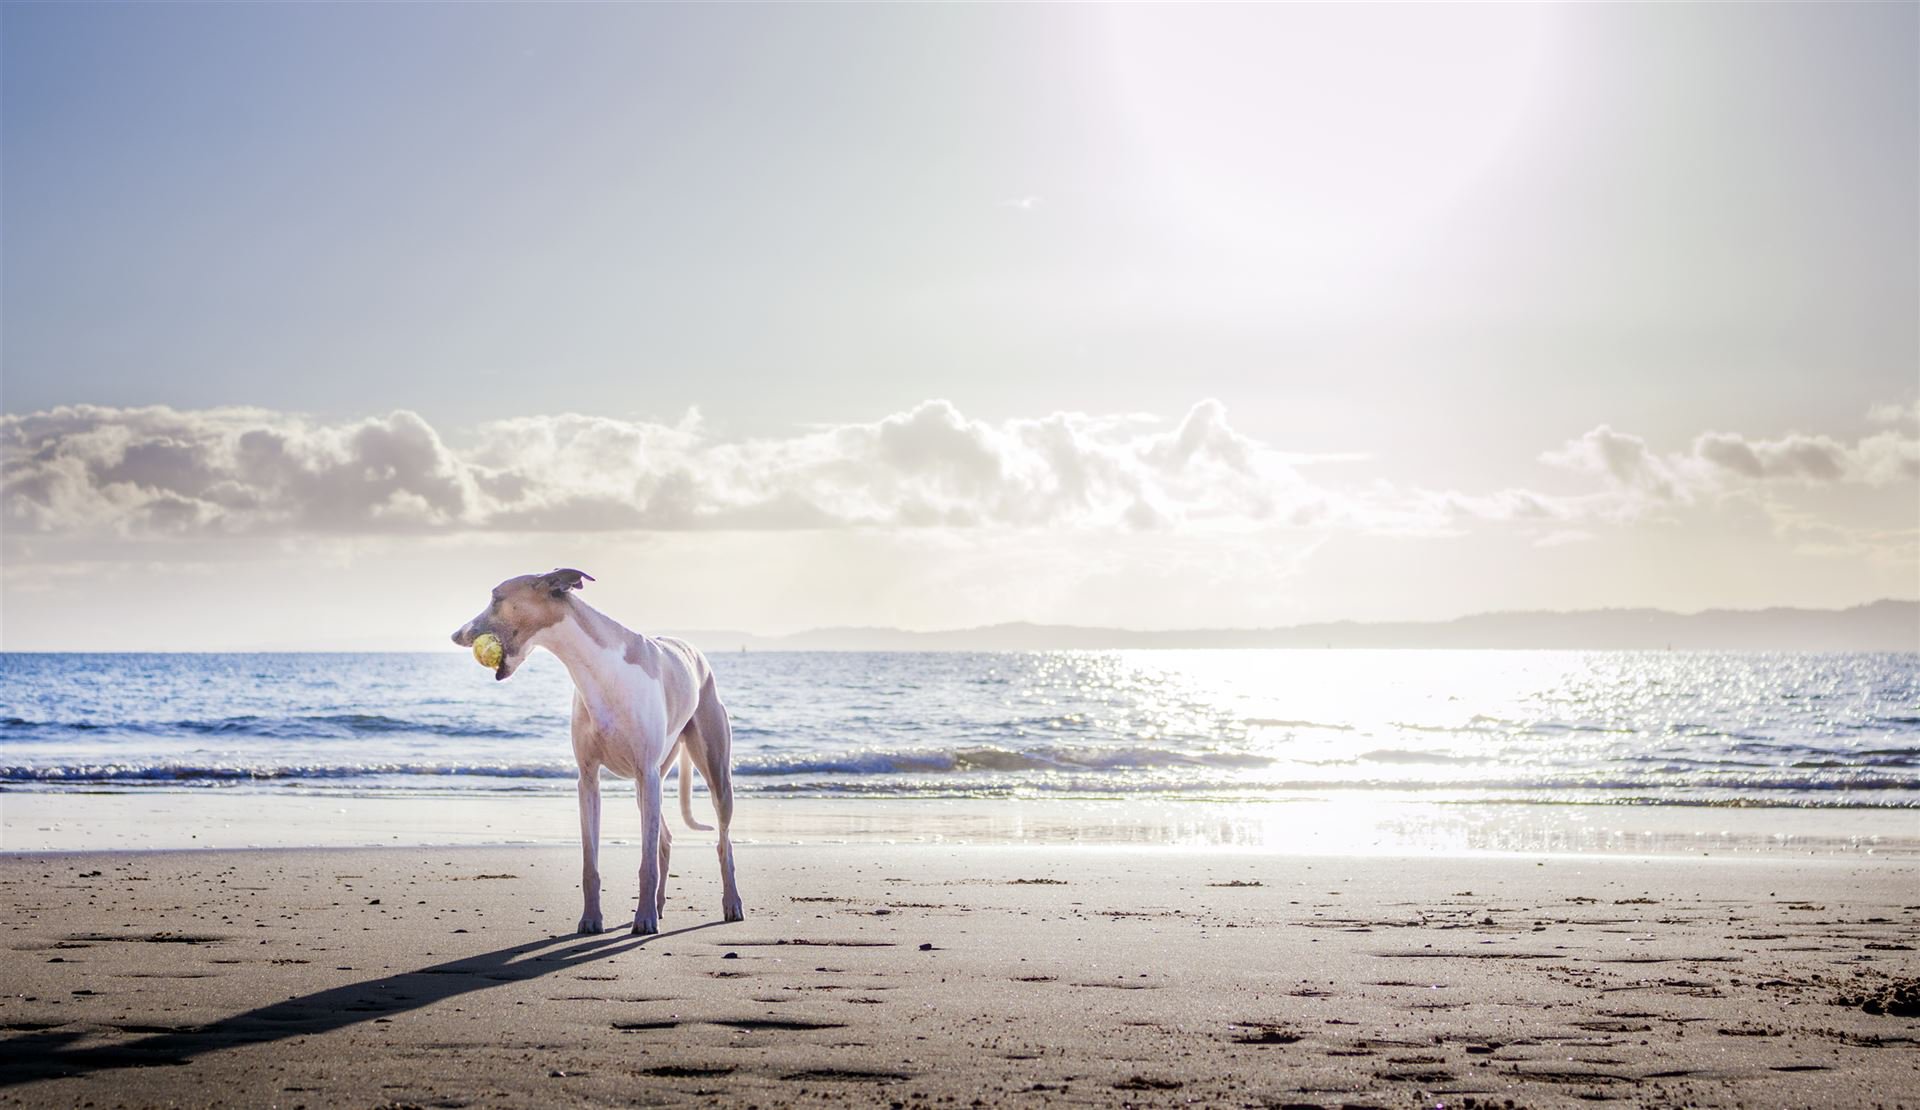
463, 636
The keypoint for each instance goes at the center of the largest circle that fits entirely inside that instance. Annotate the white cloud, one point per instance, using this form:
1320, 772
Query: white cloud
1623, 459
159, 472
248, 471
1719, 461
1504, 505
1893, 412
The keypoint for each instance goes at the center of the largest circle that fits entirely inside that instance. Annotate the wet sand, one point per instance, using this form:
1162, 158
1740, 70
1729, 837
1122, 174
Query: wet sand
912, 975
1352, 823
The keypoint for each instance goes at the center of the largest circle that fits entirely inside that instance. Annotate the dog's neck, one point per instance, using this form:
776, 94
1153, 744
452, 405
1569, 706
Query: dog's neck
600, 654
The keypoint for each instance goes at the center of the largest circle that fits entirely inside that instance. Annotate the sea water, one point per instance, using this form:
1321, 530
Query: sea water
1653, 728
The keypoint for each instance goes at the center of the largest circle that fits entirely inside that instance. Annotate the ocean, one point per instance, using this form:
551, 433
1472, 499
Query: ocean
1642, 728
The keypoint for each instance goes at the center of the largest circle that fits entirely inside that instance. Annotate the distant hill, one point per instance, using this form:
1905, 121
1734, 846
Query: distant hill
1879, 626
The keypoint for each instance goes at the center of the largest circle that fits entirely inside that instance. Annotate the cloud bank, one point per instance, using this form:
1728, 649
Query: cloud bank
1718, 461
158, 471
251, 471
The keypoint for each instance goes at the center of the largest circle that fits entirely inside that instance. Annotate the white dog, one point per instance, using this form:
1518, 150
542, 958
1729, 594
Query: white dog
636, 700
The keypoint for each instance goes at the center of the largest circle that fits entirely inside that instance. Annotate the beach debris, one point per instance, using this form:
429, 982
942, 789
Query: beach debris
1264, 1033
688, 1071
1894, 997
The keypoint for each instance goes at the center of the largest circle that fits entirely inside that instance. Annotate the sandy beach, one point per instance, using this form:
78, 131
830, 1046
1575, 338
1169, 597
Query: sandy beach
1269, 556
877, 974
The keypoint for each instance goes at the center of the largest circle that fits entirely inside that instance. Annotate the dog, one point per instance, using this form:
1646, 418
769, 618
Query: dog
637, 700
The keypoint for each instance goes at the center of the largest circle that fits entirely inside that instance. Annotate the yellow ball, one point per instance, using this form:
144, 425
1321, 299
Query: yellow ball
488, 651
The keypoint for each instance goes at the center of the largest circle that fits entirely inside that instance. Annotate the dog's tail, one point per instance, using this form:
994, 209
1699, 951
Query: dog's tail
686, 793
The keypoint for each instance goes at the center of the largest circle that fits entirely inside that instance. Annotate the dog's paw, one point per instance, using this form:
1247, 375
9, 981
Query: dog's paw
589, 926
733, 911
645, 927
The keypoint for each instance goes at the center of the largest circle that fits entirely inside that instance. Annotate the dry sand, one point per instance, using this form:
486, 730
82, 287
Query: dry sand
916, 975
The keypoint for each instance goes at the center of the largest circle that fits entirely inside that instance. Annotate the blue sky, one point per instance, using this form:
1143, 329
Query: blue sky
1397, 267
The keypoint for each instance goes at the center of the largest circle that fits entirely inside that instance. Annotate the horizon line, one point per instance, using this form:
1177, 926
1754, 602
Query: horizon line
770, 642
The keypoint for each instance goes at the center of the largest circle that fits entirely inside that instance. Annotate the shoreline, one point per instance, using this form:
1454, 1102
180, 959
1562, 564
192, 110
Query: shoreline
934, 975
1342, 825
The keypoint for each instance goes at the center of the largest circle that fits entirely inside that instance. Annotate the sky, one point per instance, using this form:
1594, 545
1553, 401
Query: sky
318, 320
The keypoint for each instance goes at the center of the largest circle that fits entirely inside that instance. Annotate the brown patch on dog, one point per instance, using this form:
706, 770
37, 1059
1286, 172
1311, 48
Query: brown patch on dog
520, 607
602, 630
524, 606
643, 654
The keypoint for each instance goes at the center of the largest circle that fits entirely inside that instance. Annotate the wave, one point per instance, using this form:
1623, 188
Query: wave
995, 772
1401, 755
339, 726
227, 772
296, 727
961, 761
992, 759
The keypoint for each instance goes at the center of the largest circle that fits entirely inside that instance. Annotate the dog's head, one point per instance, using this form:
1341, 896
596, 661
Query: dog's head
522, 608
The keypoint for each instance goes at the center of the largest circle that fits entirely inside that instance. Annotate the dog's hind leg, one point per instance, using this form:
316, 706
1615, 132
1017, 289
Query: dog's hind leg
730, 906
711, 747
646, 915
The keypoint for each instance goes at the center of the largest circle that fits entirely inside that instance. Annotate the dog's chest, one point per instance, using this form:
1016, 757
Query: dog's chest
630, 708
621, 696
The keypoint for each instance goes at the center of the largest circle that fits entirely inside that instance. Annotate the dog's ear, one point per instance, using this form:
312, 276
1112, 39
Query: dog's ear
558, 581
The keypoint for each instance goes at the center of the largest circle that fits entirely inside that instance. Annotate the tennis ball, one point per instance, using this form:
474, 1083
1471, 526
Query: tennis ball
487, 649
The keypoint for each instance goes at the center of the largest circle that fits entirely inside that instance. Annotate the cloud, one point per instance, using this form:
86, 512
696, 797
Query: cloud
1623, 459
159, 470
1504, 505
1808, 458
251, 471
154, 473
1717, 461
1876, 460
1894, 412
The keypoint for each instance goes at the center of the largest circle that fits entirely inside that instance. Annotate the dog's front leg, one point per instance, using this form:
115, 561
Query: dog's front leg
646, 918
590, 850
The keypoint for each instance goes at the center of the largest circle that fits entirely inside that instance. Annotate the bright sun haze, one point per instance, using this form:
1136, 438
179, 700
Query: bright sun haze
320, 320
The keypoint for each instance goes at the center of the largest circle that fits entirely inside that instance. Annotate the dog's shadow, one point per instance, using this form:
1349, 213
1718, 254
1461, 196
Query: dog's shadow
47, 1053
